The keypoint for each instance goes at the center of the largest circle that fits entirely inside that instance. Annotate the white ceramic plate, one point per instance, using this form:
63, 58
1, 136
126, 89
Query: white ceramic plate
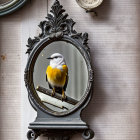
89, 4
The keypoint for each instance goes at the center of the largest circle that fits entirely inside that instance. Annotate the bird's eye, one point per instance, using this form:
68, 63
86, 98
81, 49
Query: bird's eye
56, 56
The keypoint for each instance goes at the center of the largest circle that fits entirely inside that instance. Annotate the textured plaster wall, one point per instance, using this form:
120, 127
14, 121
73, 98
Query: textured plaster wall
114, 39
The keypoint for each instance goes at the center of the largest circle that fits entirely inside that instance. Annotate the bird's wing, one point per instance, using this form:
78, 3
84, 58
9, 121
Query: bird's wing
67, 78
48, 82
66, 83
46, 78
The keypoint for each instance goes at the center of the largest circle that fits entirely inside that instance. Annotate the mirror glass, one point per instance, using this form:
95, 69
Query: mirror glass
76, 77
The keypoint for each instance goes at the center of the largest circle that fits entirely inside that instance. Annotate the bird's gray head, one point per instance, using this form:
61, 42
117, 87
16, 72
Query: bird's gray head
56, 60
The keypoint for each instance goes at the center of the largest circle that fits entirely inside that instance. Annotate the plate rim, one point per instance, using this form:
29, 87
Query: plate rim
15, 5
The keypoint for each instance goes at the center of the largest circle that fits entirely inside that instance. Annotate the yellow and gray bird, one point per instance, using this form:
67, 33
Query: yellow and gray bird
57, 74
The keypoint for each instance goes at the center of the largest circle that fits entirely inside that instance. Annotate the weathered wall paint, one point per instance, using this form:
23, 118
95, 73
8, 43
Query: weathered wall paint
114, 39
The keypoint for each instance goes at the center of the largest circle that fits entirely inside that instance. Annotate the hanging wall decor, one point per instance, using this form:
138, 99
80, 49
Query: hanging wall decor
9, 6
89, 5
58, 77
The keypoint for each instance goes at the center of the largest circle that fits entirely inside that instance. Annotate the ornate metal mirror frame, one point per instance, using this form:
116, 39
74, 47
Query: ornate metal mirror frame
57, 125
11, 6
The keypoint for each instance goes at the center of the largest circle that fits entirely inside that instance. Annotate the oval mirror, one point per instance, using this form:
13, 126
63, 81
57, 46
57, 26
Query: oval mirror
60, 84
9, 6
75, 80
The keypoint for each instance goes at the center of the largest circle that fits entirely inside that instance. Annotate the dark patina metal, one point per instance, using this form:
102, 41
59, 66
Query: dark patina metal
57, 125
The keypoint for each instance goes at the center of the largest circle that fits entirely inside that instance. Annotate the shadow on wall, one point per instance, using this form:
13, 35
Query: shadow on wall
98, 100
102, 12
96, 106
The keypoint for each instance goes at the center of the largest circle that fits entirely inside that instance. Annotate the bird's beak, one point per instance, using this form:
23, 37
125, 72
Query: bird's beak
49, 58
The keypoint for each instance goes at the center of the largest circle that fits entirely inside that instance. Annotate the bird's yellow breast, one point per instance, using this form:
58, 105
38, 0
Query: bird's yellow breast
57, 77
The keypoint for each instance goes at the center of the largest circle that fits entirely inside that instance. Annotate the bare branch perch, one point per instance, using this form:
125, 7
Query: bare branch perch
57, 95
61, 107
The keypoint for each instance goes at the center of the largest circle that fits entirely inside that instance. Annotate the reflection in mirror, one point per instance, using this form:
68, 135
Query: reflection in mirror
66, 97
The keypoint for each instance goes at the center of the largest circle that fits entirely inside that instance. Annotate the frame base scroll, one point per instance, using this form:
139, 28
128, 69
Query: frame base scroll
61, 128
59, 134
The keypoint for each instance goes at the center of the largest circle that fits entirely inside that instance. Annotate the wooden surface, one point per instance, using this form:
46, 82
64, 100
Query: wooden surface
114, 35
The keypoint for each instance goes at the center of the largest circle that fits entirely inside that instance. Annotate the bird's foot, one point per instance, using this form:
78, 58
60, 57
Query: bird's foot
53, 93
64, 97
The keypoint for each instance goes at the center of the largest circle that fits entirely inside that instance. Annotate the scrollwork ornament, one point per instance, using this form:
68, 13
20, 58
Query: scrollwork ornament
32, 135
31, 43
88, 134
57, 25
